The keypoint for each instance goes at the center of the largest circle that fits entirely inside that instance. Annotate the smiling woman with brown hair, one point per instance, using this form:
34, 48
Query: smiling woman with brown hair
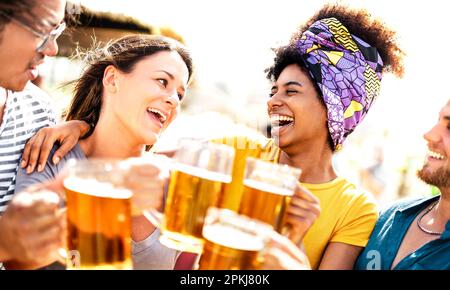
130, 92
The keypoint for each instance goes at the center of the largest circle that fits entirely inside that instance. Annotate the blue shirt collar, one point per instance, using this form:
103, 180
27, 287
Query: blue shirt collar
415, 206
418, 203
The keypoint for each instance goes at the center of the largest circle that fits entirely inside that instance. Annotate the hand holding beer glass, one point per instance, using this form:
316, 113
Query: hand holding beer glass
283, 254
302, 212
146, 178
200, 171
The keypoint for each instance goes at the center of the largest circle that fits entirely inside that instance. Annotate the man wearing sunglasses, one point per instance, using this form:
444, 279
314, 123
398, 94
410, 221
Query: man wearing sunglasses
30, 223
28, 35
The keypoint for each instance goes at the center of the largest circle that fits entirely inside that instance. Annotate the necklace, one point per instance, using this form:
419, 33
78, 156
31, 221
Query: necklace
419, 222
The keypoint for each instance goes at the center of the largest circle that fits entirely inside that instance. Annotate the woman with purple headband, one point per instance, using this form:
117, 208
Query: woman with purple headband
324, 83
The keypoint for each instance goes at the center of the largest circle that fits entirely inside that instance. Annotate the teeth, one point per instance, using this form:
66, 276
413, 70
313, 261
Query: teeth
435, 155
276, 119
162, 117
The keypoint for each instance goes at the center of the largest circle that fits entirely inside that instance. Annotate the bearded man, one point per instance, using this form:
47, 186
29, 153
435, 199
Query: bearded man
416, 234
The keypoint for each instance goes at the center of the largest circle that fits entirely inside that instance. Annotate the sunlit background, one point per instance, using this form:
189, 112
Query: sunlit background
231, 43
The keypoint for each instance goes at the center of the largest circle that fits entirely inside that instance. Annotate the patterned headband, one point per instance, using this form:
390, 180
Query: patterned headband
347, 71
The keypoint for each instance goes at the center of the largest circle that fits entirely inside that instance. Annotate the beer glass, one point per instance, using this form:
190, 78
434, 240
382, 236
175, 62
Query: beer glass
98, 215
199, 172
268, 189
232, 241
247, 145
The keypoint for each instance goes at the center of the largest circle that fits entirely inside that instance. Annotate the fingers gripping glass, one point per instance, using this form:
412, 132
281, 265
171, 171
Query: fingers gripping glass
46, 38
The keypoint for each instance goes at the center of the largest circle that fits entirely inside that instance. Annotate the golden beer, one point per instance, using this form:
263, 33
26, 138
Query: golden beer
99, 225
232, 242
198, 177
191, 192
250, 145
268, 188
265, 204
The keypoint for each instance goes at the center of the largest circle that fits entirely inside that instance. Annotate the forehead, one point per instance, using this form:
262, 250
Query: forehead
169, 61
293, 72
49, 11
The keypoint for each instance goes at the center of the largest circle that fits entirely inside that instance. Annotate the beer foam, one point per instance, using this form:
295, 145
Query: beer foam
202, 173
90, 186
232, 237
259, 185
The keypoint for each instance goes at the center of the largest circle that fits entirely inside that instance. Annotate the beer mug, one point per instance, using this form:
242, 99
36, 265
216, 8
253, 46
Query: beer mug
268, 189
199, 172
233, 241
246, 145
98, 215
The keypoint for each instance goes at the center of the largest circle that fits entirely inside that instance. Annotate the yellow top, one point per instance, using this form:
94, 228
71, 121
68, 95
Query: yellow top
348, 215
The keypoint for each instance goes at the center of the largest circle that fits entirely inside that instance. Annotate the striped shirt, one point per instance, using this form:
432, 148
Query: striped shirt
25, 113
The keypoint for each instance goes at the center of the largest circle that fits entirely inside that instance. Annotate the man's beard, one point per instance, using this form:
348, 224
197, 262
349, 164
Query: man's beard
439, 178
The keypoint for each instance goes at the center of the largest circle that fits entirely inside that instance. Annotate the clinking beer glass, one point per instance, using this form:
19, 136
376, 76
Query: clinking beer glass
233, 241
199, 172
268, 189
98, 215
